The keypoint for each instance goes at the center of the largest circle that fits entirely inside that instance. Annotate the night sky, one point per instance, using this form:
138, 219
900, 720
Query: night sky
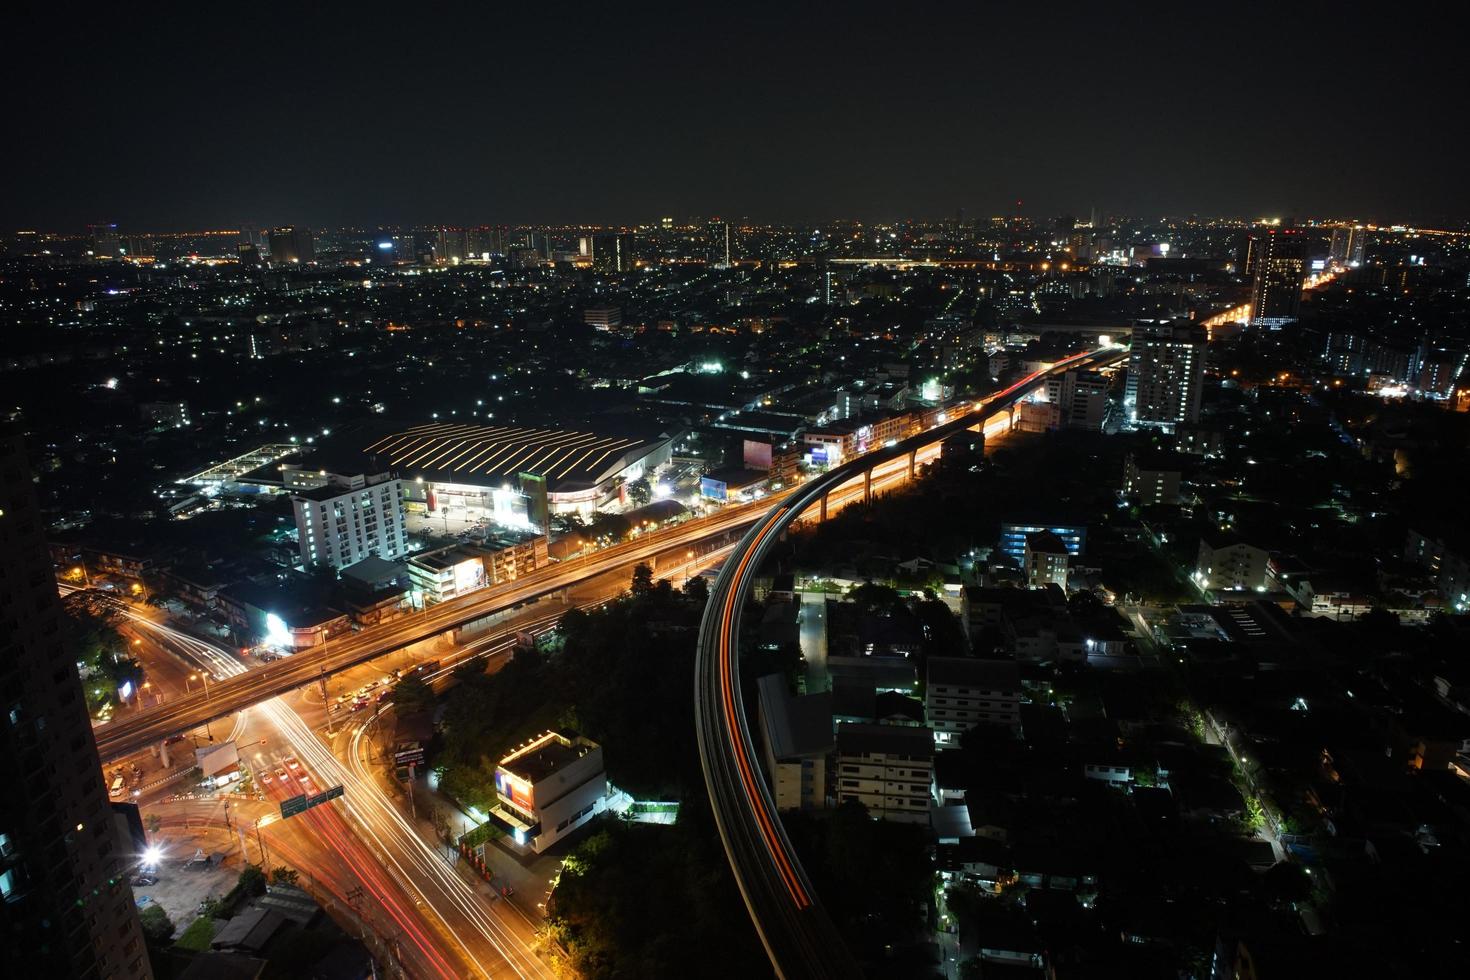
170, 116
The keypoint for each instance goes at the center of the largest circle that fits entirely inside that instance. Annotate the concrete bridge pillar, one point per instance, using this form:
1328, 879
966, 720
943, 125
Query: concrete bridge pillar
913, 461
867, 486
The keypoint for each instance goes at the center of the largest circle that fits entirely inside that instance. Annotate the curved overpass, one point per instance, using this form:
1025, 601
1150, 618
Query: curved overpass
798, 935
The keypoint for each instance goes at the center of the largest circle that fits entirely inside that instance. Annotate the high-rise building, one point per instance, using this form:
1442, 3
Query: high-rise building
1081, 398
1278, 269
1166, 372
450, 246
291, 245
343, 518
105, 241
1349, 245
65, 904
484, 242
717, 234
610, 252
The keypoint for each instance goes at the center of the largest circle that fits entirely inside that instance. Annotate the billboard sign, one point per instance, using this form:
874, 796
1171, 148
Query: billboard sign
517, 790
714, 489
469, 575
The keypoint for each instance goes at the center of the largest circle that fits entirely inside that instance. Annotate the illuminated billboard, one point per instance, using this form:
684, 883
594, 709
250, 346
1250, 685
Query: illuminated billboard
715, 489
518, 791
469, 575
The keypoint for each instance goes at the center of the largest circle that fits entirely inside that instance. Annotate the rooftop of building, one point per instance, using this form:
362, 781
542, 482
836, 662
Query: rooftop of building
796, 726
862, 738
987, 675
447, 452
473, 455
1045, 543
544, 755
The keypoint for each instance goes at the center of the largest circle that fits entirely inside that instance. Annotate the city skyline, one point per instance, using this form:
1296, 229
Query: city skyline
921, 492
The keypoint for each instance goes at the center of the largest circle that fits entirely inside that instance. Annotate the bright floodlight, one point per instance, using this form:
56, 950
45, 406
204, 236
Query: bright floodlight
152, 855
276, 633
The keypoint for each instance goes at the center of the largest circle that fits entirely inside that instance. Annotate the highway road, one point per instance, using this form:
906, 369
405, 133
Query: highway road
800, 938
367, 857
126, 735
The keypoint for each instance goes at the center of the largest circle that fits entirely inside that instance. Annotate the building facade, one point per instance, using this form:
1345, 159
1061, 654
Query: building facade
65, 905
1149, 483
1278, 264
797, 740
964, 692
1166, 374
547, 788
1013, 536
887, 768
290, 245
1045, 560
1230, 565
350, 518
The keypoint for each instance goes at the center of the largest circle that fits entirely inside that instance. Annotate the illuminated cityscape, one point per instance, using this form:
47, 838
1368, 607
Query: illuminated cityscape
685, 493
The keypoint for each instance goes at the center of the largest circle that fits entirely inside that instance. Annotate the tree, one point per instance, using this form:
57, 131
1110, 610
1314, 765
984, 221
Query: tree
639, 492
285, 876
413, 694
697, 591
642, 581
152, 822
158, 928
873, 598
252, 880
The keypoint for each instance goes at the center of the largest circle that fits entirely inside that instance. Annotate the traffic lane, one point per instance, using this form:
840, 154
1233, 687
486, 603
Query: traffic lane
285, 675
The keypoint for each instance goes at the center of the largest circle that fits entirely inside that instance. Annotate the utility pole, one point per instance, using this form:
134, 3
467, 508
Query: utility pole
265, 861
326, 702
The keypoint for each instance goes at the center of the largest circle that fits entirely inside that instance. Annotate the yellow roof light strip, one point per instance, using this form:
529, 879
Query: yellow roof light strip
620, 445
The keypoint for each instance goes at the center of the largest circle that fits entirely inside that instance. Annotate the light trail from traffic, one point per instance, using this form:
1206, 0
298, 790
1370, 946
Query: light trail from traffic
418, 868
800, 938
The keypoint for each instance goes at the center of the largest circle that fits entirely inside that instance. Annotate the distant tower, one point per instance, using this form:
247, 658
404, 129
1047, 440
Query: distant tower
1278, 268
291, 245
105, 243
1349, 245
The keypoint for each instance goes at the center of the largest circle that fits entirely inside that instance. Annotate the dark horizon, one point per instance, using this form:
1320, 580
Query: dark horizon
224, 116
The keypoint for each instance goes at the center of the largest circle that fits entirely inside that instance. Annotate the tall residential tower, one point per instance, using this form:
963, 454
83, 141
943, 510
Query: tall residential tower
65, 904
1166, 372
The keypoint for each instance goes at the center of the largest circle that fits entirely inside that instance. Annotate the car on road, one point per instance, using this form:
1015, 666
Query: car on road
281, 775
292, 764
140, 881
265, 776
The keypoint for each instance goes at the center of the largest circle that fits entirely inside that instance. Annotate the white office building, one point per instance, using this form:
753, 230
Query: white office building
964, 692
887, 768
349, 518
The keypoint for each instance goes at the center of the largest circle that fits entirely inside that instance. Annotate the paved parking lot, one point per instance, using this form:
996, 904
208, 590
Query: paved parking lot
180, 890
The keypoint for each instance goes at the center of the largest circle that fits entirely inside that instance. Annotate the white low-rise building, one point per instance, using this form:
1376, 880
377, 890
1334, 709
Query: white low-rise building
963, 692
548, 788
887, 768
